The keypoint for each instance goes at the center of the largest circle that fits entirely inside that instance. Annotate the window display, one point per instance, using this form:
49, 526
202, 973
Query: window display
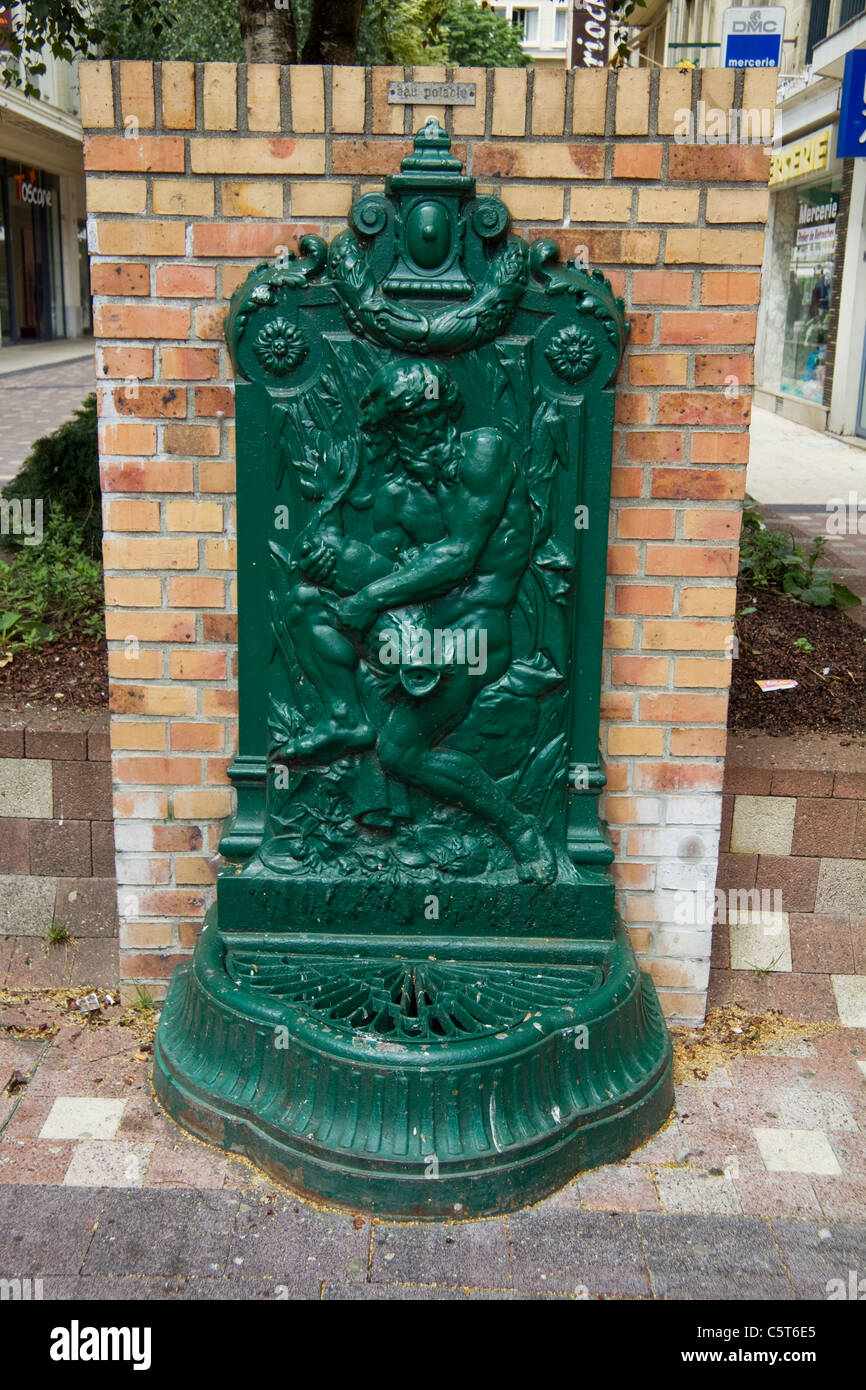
810, 290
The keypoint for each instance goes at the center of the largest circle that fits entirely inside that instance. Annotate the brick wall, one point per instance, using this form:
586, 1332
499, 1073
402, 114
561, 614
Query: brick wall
196, 173
56, 852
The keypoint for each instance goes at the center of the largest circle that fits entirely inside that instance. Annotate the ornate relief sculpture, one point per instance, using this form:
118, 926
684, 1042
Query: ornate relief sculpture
416, 863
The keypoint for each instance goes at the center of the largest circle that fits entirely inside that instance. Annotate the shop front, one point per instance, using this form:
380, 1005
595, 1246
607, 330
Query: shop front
31, 265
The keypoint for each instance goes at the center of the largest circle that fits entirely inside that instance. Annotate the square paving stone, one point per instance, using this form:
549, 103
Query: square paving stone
108, 1163
850, 992
708, 1257
465, 1254
82, 1117
763, 824
814, 1254
152, 1232
572, 1252
288, 1240
760, 941
683, 1191
796, 1151
46, 1230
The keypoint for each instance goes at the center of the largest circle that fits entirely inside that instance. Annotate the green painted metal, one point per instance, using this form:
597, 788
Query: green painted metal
414, 994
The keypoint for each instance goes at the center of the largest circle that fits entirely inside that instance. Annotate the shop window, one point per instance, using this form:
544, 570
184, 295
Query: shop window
810, 292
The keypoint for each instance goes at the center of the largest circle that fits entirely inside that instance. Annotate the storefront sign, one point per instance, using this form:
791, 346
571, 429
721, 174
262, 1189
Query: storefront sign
440, 93
851, 140
29, 191
752, 38
590, 33
807, 156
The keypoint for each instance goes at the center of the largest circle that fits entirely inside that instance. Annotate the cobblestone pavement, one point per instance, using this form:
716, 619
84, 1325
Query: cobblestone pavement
756, 1188
36, 401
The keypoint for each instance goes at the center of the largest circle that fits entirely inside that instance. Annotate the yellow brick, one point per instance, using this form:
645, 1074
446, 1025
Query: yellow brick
135, 664
263, 96
136, 93
230, 155
97, 96
509, 101
156, 553
308, 97
527, 204
141, 935
669, 204
315, 199
183, 197
220, 91
154, 699
252, 199
421, 114
714, 248
759, 89
675, 97
469, 120
745, 205
600, 204
347, 100
619, 634
194, 516
178, 96
590, 101
548, 101
387, 119
140, 592
221, 555
717, 94
116, 195
702, 671
201, 805
632, 101
141, 238
131, 514
148, 737
635, 742
706, 602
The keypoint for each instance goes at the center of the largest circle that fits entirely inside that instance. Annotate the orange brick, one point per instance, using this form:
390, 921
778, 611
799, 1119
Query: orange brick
548, 102
221, 555
263, 96
178, 96
676, 777
641, 523
114, 154
678, 636
216, 477
215, 703
724, 287
708, 602
691, 743
719, 164
189, 738
219, 90
183, 197
142, 737
147, 401
178, 837
150, 627
658, 369
119, 277
123, 515
116, 195
622, 559
247, 239
639, 670
247, 155
140, 592
150, 805
509, 102
96, 94
126, 361
641, 599
139, 665
692, 484
616, 705
631, 408
197, 666
714, 369
127, 438
690, 560
604, 246
662, 287
153, 476
709, 247
702, 408
141, 321
635, 742
702, 671
189, 364
642, 329
703, 327
720, 448
711, 526
157, 553
618, 634
152, 699
347, 100
191, 439
308, 97
193, 281
647, 446
198, 591
209, 320
538, 161
136, 94
194, 516
214, 400
637, 161
684, 709
626, 482
201, 805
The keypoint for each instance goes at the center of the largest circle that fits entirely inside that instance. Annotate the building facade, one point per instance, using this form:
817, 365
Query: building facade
44, 283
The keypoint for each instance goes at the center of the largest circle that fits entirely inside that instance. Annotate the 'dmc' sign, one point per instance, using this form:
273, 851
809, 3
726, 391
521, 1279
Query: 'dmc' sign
752, 38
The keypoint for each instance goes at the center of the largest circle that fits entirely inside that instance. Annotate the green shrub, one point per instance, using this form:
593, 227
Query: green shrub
62, 469
50, 590
773, 560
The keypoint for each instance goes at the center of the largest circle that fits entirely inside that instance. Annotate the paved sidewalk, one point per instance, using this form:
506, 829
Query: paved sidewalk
37, 399
756, 1188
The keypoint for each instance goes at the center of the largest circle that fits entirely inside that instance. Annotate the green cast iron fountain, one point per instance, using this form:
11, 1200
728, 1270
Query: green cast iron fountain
414, 995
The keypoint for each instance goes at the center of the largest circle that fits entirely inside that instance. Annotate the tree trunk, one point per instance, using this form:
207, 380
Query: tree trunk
268, 31
333, 36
